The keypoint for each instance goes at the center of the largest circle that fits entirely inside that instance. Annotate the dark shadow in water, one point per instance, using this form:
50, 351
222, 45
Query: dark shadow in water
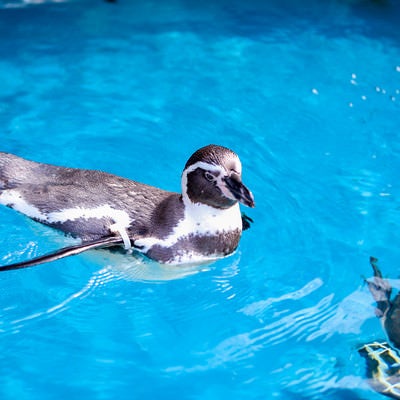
254, 18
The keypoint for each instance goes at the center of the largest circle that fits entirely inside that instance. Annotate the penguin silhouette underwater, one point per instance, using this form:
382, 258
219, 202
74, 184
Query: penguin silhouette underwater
383, 361
199, 225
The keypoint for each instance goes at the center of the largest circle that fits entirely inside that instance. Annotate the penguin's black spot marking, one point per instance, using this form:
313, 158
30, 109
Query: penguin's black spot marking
223, 243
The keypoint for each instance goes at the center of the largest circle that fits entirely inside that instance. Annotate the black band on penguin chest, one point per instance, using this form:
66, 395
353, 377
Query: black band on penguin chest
220, 244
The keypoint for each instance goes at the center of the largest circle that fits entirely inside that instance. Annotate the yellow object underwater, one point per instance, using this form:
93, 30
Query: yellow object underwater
383, 368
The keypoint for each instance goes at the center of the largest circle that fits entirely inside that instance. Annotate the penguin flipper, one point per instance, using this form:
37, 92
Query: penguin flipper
107, 241
246, 222
380, 289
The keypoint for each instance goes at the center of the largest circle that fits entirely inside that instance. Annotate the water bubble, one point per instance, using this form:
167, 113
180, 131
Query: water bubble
377, 88
363, 97
353, 76
351, 104
353, 82
366, 194
315, 91
398, 68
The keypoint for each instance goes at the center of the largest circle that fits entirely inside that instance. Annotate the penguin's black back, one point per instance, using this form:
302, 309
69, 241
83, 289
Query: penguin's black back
52, 189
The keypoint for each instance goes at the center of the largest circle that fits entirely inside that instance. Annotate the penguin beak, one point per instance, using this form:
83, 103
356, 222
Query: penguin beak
239, 191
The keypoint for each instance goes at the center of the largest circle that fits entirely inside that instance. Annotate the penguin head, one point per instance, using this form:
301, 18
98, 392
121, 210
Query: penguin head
213, 176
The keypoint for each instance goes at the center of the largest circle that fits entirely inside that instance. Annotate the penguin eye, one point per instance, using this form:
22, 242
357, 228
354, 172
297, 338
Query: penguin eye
209, 176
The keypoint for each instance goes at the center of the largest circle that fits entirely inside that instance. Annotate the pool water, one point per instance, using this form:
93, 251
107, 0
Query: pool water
307, 93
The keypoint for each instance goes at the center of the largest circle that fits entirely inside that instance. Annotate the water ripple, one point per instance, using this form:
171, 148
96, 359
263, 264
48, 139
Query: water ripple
142, 269
255, 309
316, 381
25, 3
311, 325
26, 251
292, 325
98, 279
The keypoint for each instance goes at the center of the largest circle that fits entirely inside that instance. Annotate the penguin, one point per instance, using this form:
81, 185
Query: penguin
382, 357
201, 224
387, 309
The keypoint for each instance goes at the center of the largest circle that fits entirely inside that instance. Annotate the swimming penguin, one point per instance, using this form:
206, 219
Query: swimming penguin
386, 309
201, 224
383, 361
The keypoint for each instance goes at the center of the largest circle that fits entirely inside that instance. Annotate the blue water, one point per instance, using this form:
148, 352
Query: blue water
307, 93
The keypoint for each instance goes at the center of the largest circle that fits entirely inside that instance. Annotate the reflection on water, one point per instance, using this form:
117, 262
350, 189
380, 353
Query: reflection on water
100, 278
23, 3
137, 268
259, 307
116, 266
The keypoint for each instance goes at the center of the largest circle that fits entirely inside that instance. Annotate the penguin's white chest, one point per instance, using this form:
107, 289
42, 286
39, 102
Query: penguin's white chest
200, 221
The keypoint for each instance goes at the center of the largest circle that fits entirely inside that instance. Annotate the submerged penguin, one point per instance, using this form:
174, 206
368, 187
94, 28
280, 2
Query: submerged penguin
383, 361
201, 224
